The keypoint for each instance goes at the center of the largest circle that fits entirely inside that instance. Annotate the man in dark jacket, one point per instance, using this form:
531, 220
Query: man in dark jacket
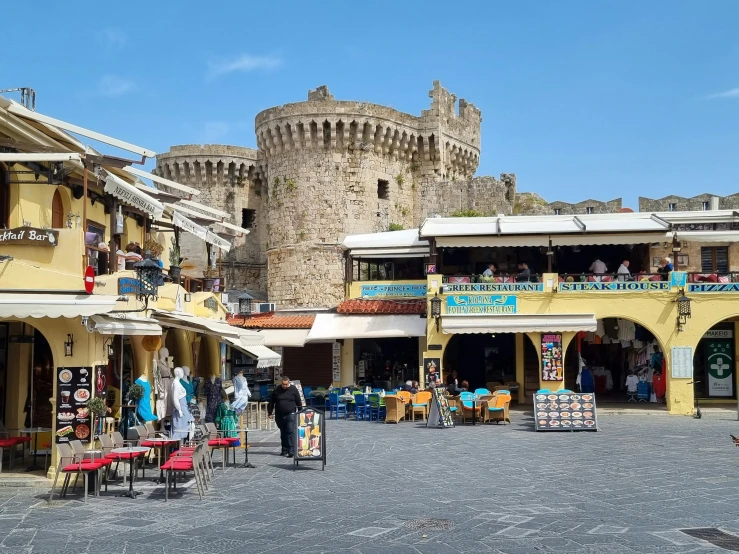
284, 403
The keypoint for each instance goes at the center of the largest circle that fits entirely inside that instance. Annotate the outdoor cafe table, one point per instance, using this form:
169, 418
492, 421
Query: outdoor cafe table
131, 463
163, 446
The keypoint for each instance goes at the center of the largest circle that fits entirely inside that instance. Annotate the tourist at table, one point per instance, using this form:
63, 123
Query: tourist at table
524, 273
666, 268
408, 386
490, 271
284, 402
623, 273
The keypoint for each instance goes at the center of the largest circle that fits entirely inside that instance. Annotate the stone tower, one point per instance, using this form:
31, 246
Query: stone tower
326, 168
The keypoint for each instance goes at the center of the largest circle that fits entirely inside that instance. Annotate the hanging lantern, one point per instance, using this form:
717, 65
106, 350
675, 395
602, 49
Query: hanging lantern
245, 305
683, 310
149, 276
68, 346
436, 309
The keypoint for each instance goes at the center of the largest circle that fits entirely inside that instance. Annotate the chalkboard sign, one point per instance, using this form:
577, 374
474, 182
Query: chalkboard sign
439, 413
300, 391
565, 412
73, 417
310, 436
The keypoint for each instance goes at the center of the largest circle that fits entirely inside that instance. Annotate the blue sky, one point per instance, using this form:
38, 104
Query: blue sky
580, 98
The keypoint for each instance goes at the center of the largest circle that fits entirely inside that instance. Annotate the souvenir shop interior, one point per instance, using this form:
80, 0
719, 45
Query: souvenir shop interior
387, 362
620, 362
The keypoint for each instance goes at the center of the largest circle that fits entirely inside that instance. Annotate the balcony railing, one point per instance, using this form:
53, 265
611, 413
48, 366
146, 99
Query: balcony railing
498, 278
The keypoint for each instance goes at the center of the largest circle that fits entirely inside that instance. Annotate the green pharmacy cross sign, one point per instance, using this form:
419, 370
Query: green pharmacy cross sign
720, 366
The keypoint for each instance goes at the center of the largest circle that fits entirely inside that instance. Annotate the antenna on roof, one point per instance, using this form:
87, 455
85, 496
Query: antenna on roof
28, 96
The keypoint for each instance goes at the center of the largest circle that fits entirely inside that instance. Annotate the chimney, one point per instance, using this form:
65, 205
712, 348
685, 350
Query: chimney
713, 203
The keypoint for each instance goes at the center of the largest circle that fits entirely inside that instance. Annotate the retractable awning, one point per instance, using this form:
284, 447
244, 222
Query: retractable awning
186, 224
22, 305
264, 356
284, 337
107, 325
129, 194
338, 326
523, 323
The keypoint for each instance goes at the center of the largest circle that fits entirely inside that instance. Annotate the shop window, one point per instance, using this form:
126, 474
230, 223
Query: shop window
248, 218
672, 207
715, 259
383, 189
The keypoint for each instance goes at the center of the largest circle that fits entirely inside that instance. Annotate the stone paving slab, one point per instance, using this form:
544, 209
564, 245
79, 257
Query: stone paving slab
627, 489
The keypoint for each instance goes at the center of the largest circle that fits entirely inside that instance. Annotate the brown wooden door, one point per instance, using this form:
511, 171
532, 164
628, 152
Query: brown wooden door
57, 211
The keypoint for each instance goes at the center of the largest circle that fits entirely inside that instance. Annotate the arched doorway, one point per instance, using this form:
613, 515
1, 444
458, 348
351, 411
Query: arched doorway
57, 211
616, 357
481, 358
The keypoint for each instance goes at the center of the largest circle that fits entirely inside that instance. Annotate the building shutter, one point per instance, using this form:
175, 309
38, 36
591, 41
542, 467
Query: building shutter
312, 364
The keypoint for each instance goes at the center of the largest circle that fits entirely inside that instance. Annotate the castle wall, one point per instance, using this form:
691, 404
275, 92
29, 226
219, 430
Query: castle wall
584, 207
681, 203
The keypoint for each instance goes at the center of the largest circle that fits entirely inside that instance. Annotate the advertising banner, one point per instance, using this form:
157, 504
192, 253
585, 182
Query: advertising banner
720, 367
310, 436
73, 417
565, 412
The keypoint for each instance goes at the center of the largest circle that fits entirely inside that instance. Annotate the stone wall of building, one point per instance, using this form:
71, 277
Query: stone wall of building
584, 207
700, 202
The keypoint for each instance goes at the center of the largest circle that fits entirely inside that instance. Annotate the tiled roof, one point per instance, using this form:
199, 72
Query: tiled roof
272, 321
359, 306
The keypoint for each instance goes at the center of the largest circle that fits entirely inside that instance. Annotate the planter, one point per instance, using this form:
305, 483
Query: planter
208, 283
174, 273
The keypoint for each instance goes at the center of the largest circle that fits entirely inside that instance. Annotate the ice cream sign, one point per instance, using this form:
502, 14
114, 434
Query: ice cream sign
29, 236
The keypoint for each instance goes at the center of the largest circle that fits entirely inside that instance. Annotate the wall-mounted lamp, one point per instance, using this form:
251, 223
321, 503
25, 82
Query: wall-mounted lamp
188, 297
683, 309
436, 309
111, 349
676, 246
68, 346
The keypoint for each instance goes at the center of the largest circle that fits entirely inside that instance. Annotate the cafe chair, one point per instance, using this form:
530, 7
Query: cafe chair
420, 403
542, 391
469, 408
71, 464
361, 408
481, 392
496, 408
186, 461
336, 407
217, 442
376, 407
394, 409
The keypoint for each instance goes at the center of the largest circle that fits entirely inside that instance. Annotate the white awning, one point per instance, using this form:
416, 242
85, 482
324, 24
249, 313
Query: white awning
203, 207
186, 224
107, 325
264, 356
161, 180
523, 323
339, 326
213, 327
708, 236
230, 227
132, 196
390, 244
40, 157
22, 305
284, 337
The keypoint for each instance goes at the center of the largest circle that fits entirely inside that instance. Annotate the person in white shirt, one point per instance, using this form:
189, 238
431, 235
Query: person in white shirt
623, 273
598, 268
490, 271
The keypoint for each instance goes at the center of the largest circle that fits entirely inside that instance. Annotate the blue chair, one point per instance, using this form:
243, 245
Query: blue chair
376, 408
377, 391
503, 391
542, 391
564, 391
336, 407
468, 407
361, 408
482, 392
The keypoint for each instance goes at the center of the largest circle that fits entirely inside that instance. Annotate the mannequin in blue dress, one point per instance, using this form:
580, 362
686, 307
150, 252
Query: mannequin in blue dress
144, 405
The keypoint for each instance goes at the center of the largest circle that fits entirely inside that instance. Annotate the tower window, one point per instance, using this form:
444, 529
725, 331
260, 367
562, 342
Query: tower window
383, 189
248, 218
673, 207
706, 206
556, 211
589, 210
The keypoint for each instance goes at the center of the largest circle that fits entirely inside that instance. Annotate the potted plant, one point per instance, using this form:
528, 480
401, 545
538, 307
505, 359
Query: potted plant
153, 247
174, 263
98, 409
210, 274
135, 393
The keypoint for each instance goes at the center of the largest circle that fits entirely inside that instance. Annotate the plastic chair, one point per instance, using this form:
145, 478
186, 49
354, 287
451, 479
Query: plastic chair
361, 409
376, 408
482, 392
501, 391
336, 407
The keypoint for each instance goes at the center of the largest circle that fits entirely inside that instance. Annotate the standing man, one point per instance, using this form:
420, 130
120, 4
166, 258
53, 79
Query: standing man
623, 273
598, 268
284, 402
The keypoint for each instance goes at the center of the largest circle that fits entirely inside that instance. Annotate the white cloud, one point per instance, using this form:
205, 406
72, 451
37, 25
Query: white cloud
114, 86
243, 63
731, 93
111, 38
215, 131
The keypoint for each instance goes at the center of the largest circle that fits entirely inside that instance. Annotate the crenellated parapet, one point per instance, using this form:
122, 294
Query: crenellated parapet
208, 164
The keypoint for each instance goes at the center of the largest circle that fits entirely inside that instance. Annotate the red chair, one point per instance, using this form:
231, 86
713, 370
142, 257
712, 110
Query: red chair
10, 443
185, 462
216, 442
70, 464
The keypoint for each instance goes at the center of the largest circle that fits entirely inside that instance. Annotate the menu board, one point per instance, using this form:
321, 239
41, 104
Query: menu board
73, 417
310, 436
565, 412
439, 414
551, 358
300, 390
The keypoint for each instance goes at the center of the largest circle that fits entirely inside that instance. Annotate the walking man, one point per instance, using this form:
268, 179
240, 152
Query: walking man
284, 402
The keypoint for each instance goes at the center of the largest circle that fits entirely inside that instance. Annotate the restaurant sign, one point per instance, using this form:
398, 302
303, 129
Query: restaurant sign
481, 304
29, 236
405, 291
495, 287
616, 286
714, 287
128, 285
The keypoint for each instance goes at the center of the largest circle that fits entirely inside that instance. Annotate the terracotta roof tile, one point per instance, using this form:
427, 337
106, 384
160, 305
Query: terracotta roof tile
359, 306
272, 321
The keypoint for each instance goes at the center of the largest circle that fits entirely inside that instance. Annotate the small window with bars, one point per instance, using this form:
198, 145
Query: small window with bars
248, 218
715, 259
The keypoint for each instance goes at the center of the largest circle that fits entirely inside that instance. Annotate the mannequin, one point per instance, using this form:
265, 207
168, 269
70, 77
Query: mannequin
212, 398
225, 418
163, 384
181, 417
144, 405
241, 392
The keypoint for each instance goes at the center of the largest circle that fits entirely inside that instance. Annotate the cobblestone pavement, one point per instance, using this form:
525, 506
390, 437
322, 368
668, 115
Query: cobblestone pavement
398, 489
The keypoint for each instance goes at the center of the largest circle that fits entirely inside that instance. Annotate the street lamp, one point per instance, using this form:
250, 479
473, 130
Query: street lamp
245, 305
436, 309
683, 309
149, 277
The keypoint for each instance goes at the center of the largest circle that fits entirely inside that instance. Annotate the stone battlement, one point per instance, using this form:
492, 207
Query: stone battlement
195, 164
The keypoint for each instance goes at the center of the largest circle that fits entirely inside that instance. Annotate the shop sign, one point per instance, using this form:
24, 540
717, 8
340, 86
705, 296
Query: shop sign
720, 366
714, 287
21, 339
565, 412
719, 334
310, 435
128, 285
336, 362
481, 304
495, 287
615, 286
73, 417
431, 371
551, 358
29, 236
380, 291
678, 279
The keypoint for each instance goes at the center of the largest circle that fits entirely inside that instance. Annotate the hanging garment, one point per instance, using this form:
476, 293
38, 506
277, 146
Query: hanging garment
611, 326
600, 329
189, 391
587, 384
143, 406
225, 420
241, 394
213, 398
166, 376
659, 385
626, 330
642, 391
642, 334
632, 381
